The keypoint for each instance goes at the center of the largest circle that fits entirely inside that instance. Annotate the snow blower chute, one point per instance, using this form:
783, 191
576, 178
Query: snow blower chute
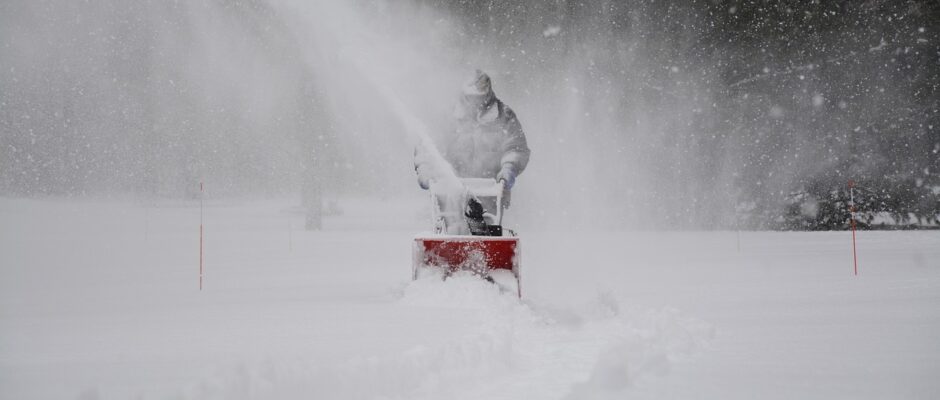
467, 238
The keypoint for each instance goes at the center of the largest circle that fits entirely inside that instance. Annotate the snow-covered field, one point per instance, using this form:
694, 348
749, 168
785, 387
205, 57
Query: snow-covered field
100, 300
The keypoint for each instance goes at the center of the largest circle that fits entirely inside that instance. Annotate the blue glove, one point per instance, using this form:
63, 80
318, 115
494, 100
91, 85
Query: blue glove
424, 176
424, 182
507, 174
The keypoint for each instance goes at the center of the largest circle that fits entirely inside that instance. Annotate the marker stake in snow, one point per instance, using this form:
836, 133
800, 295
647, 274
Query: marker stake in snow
201, 198
852, 213
146, 221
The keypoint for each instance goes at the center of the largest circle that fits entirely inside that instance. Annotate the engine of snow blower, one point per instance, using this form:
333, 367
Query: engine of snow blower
468, 236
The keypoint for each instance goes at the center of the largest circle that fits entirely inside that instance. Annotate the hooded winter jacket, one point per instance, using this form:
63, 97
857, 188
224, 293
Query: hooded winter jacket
486, 139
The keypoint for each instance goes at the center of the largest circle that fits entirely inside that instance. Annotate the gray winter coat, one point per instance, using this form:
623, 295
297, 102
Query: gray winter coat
485, 140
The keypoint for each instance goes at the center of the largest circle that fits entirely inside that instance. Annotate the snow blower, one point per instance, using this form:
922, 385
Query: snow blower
467, 238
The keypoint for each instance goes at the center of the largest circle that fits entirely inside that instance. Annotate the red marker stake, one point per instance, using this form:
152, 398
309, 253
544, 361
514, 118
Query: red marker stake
201, 195
852, 210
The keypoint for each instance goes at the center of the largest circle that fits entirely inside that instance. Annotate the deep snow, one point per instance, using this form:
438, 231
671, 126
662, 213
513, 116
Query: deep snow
100, 300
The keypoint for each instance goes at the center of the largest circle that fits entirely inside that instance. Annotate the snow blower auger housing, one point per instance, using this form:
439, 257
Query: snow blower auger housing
466, 238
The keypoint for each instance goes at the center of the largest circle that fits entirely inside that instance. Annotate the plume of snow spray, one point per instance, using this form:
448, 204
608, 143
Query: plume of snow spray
380, 78
445, 178
445, 184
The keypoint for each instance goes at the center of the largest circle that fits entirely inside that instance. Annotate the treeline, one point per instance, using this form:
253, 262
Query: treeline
683, 114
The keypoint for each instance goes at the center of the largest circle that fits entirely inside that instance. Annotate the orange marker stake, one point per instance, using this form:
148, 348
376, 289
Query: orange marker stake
852, 210
201, 196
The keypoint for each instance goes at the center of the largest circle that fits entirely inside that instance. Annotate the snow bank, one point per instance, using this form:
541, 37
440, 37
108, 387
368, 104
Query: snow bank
514, 350
100, 301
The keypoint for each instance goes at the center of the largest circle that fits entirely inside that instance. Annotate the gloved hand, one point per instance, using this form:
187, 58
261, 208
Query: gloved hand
508, 175
424, 177
424, 182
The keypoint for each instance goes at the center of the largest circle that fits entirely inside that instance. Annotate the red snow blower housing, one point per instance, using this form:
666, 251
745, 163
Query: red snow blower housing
467, 238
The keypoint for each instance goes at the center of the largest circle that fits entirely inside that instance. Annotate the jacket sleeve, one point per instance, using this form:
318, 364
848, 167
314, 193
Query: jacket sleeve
515, 147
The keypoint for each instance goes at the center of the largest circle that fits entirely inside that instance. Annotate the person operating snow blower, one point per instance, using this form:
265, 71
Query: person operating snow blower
488, 142
487, 151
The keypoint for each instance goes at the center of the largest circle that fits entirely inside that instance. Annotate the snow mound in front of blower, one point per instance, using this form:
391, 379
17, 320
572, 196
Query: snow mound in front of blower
508, 348
460, 290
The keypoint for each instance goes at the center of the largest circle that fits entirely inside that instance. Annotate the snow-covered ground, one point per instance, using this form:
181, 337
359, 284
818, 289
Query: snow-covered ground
100, 300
